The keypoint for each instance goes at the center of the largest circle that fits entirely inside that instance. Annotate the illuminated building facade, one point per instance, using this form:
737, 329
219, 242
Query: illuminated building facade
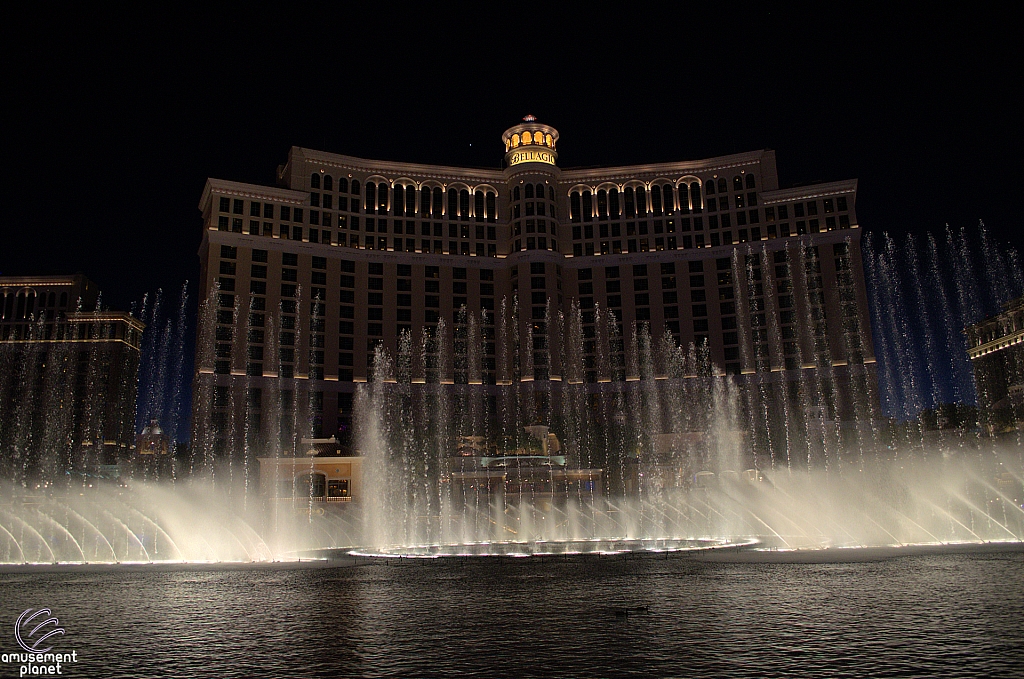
996, 349
304, 280
68, 378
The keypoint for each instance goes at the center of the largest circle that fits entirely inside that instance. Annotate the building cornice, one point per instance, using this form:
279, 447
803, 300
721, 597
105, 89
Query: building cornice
108, 316
808, 192
626, 172
998, 344
257, 191
39, 281
442, 173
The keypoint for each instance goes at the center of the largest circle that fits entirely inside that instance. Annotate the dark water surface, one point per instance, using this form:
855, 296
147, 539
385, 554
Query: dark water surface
931, 615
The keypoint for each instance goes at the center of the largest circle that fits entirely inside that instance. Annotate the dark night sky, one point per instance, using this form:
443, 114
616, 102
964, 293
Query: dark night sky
116, 119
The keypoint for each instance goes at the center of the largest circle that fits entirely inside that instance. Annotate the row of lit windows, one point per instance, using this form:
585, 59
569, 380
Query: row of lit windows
22, 305
327, 237
322, 180
529, 192
527, 138
660, 199
706, 240
404, 203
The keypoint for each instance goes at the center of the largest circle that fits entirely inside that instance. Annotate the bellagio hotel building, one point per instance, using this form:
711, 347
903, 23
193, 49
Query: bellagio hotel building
303, 280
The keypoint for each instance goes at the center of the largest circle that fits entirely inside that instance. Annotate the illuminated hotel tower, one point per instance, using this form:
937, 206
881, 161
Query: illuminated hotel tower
304, 280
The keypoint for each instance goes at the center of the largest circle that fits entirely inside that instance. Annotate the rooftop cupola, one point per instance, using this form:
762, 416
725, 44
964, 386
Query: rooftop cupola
530, 142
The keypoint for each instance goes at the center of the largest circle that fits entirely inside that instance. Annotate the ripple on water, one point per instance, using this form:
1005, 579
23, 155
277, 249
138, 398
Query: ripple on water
950, 615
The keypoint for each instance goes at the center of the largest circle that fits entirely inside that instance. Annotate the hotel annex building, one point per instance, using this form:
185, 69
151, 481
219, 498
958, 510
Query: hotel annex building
305, 279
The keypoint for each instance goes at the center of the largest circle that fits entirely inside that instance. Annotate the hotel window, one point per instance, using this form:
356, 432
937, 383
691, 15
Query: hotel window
371, 197
478, 206
641, 201
398, 204
453, 204
492, 210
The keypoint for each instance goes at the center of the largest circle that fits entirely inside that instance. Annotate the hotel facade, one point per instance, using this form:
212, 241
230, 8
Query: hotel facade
68, 379
304, 280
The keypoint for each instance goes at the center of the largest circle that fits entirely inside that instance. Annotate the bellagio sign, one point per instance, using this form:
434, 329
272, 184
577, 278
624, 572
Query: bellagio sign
531, 156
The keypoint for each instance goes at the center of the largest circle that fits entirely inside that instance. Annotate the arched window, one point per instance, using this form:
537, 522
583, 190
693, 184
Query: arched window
529, 191
382, 198
478, 206
669, 196
464, 205
492, 207
438, 202
355, 187
602, 204
630, 202
551, 193
656, 200
410, 201
342, 185
399, 203
684, 198
515, 194
723, 185
574, 206
695, 199
613, 204
453, 204
52, 299
425, 202
750, 181
63, 299
314, 180
737, 183
515, 140
371, 197
328, 183
540, 190
709, 188
588, 207
641, 201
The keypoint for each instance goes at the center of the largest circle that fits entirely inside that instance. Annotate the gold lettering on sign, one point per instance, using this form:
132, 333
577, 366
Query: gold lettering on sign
531, 157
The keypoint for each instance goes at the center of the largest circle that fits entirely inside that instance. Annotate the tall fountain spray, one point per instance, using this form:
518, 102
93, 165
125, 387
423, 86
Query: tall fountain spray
665, 452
